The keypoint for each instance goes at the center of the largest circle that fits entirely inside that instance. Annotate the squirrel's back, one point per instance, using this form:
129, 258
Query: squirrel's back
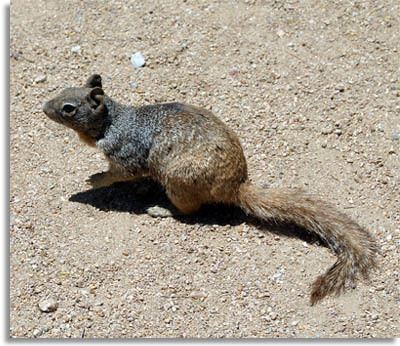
192, 139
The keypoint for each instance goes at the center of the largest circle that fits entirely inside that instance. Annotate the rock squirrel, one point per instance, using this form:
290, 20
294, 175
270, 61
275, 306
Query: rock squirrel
198, 160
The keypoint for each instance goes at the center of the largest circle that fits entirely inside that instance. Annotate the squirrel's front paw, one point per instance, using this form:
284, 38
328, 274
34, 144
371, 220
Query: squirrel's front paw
98, 180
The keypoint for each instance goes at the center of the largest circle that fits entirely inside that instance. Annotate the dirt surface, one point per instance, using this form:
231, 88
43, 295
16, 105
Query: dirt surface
313, 90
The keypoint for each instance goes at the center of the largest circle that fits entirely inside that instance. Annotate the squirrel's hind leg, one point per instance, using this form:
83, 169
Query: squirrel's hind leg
187, 205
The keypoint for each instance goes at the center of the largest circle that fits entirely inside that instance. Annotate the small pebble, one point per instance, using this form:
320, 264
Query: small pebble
280, 33
40, 78
12, 219
157, 211
263, 295
138, 60
340, 87
48, 305
76, 49
327, 131
36, 333
198, 295
380, 127
279, 274
338, 132
273, 316
396, 136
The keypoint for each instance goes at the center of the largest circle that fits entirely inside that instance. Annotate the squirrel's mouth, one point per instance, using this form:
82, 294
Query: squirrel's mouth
47, 109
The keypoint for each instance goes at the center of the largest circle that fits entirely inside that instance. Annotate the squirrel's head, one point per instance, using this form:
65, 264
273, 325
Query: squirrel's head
82, 109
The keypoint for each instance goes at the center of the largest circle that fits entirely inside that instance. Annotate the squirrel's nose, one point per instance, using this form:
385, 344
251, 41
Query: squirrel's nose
46, 107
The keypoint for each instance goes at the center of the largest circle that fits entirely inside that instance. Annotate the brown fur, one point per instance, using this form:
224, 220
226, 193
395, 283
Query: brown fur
353, 245
86, 139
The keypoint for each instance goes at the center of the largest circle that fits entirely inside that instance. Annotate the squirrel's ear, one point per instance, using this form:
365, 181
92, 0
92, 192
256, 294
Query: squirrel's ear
94, 81
96, 96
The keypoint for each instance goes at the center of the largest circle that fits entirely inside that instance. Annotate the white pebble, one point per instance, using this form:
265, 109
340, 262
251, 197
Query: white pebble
40, 78
280, 33
36, 333
138, 60
198, 295
76, 49
48, 305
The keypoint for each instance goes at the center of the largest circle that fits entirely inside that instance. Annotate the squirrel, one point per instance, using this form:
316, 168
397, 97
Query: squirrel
199, 160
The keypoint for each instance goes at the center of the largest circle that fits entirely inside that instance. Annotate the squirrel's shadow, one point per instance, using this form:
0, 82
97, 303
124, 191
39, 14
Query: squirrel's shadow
137, 197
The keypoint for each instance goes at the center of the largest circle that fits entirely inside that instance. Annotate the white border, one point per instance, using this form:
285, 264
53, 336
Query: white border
4, 101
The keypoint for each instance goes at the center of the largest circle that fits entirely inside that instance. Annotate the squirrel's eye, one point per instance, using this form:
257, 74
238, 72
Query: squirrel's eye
68, 108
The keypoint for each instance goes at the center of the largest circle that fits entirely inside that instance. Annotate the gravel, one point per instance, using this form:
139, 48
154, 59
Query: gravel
287, 77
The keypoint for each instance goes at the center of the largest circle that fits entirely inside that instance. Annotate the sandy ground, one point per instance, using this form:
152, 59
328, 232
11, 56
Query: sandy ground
313, 90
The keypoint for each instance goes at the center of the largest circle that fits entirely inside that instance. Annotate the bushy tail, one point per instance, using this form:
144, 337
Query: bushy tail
353, 245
